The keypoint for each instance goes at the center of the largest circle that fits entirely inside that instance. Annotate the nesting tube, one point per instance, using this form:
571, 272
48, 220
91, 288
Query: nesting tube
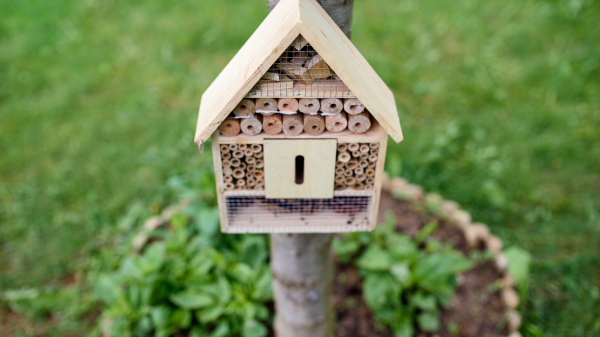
233, 147
364, 148
250, 168
266, 104
224, 148
258, 154
336, 123
363, 164
259, 174
256, 148
226, 163
250, 182
273, 124
226, 156
352, 164
235, 162
339, 164
353, 106
358, 186
364, 156
309, 105
228, 178
370, 172
245, 108
229, 186
349, 181
242, 166
314, 125
340, 187
259, 163
331, 105
287, 104
353, 147
242, 146
240, 182
227, 171
360, 123
374, 145
373, 158
359, 170
238, 154
361, 177
238, 173
356, 154
292, 124
372, 164
344, 157
248, 153
342, 147
349, 173
339, 179
251, 126
250, 160
370, 180
339, 170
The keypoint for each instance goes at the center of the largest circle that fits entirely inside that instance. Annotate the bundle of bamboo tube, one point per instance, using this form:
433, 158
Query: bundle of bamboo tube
243, 166
355, 167
317, 115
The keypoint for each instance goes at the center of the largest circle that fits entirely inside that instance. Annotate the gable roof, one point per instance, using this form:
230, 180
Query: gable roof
289, 19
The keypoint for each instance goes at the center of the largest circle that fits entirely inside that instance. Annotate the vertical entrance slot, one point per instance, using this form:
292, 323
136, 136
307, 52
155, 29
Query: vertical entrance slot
299, 170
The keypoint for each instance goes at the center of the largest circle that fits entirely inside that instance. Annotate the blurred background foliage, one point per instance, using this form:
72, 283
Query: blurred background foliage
499, 103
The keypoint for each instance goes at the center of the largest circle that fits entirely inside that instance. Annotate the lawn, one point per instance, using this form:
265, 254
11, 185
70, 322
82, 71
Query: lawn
499, 103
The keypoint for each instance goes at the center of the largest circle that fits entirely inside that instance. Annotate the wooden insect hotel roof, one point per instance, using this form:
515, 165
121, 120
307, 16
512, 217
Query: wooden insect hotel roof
289, 20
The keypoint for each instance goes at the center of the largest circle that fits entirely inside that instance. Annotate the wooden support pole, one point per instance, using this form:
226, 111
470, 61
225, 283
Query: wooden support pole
360, 123
309, 105
251, 126
273, 124
314, 125
292, 124
336, 123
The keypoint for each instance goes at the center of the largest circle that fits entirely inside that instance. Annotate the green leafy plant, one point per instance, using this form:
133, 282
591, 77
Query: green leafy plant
182, 283
405, 280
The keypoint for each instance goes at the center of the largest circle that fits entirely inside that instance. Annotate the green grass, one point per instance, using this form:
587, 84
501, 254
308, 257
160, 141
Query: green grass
499, 103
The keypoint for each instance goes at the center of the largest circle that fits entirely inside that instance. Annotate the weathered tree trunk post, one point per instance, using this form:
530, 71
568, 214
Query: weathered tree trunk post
301, 263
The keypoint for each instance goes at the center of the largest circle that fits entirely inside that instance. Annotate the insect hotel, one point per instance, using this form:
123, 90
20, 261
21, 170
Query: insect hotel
299, 123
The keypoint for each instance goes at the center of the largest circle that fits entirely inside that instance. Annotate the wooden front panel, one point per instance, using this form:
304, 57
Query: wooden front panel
282, 168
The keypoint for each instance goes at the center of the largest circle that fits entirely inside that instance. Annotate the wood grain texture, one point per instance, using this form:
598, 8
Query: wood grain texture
219, 180
379, 177
230, 127
293, 125
319, 168
309, 105
283, 25
273, 124
314, 125
336, 123
360, 123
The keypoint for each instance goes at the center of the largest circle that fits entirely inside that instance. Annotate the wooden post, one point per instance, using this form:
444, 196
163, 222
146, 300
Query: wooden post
301, 263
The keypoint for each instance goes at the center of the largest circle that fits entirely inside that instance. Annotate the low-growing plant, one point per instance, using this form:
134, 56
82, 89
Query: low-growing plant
405, 280
182, 283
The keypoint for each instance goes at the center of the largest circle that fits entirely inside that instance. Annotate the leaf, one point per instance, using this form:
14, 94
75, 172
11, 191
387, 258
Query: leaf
210, 314
254, 329
403, 327
224, 290
379, 289
401, 272
345, 249
254, 250
401, 246
429, 321
426, 231
222, 330
433, 271
191, 300
422, 301
518, 264
262, 286
161, 316
181, 318
197, 332
107, 289
375, 258
153, 257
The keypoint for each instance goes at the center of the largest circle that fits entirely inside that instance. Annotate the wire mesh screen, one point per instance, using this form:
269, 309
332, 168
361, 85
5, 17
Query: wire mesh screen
300, 72
253, 213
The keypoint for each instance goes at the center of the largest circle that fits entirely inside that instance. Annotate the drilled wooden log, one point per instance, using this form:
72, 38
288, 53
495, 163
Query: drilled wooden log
292, 124
314, 125
287, 104
360, 123
268, 104
309, 105
245, 108
336, 123
331, 105
273, 124
353, 106
251, 126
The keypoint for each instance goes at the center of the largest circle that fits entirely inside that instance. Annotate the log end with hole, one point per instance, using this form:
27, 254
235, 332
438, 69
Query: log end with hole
287, 104
230, 127
360, 123
245, 108
353, 106
292, 124
314, 125
336, 123
331, 105
251, 126
309, 105
273, 124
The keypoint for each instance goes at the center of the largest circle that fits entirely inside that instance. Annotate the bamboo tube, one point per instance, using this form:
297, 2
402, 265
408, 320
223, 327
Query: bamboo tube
260, 182
250, 168
352, 164
245, 108
363, 163
374, 151
353, 147
292, 124
339, 164
256, 148
340, 187
336, 123
235, 162
353, 106
369, 187
226, 163
228, 171
250, 160
250, 182
370, 172
349, 173
259, 174
248, 153
287, 104
356, 154
364, 156
361, 177
240, 182
309, 105
344, 157
242, 147
364, 148
226, 156
331, 105
242, 166
360, 123
374, 145
370, 180
259, 163
349, 181
339, 170
233, 147
339, 179
252, 126
373, 158
314, 125
238, 173
372, 165
358, 186
273, 124
224, 148
359, 170
249, 175
238, 154
267, 104
258, 154
228, 178
229, 186
342, 147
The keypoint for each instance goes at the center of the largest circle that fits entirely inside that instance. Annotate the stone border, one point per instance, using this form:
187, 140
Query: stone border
476, 235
